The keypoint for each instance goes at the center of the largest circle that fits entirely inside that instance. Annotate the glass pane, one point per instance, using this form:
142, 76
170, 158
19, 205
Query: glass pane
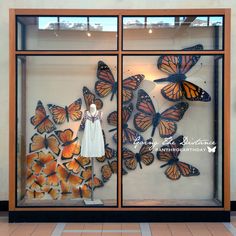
67, 33
176, 143
53, 108
172, 33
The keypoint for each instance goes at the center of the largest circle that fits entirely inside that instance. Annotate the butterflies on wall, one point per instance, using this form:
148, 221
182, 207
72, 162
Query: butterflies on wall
106, 84
70, 145
175, 167
108, 169
62, 114
144, 156
77, 164
176, 66
90, 98
165, 121
128, 135
41, 120
68, 176
39, 142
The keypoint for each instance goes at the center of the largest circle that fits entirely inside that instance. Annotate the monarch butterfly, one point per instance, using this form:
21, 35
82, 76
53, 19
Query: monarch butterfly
39, 142
96, 183
30, 159
176, 67
77, 164
41, 120
107, 83
81, 192
90, 98
62, 114
144, 156
53, 192
38, 183
41, 161
109, 169
65, 190
70, 146
176, 168
128, 135
51, 174
67, 176
165, 121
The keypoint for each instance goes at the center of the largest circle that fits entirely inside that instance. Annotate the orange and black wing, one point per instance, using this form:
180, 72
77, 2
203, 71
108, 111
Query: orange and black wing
59, 115
74, 110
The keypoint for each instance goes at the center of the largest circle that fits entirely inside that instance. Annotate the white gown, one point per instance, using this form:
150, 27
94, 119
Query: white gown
92, 142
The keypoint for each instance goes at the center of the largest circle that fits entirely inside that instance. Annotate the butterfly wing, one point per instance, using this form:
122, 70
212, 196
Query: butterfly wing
129, 159
106, 172
50, 172
107, 81
30, 159
131, 136
53, 144
187, 169
58, 113
172, 172
129, 85
90, 98
145, 152
167, 128
126, 112
37, 143
142, 121
112, 118
173, 91
96, 183
74, 110
194, 93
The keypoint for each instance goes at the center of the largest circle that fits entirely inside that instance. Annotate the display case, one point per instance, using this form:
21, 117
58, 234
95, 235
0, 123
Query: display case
160, 79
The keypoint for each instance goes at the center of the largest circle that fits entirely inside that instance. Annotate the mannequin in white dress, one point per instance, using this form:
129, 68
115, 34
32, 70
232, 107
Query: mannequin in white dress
92, 142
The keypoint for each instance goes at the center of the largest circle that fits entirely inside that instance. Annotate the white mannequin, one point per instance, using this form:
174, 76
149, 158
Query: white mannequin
93, 109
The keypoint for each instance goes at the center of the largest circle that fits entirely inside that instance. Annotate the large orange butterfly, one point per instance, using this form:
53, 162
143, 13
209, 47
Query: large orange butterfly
77, 164
70, 146
176, 66
67, 176
62, 114
128, 135
39, 142
50, 170
176, 168
144, 156
165, 121
41, 161
90, 98
41, 120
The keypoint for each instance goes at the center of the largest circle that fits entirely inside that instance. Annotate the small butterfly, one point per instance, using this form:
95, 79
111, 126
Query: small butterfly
30, 159
176, 66
90, 98
40, 162
144, 156
81, 192
65, 190
50, 171
68, 176
77, 164
41, 120
165, 121
34, 194
109, 169
39, 142
62, 114
70, 146
52, 192
211, 149
128, 135
96, 183
38, 183
176, 168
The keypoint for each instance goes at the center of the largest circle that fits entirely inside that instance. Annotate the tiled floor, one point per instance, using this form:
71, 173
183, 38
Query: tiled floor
117, 229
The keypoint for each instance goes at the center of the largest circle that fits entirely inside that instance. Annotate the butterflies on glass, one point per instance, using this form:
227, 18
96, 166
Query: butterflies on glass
77, 164
128, 135
40, 162
108, 169
144, 156
50, 172
106, 83
70, 146
165, 121
176, 66
81, 192
68, 176
175, 167
90, 98
129, 85
41, 120
62, 114
39, 142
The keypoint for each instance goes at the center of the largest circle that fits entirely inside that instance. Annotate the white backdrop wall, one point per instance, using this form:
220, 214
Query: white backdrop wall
102, 4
